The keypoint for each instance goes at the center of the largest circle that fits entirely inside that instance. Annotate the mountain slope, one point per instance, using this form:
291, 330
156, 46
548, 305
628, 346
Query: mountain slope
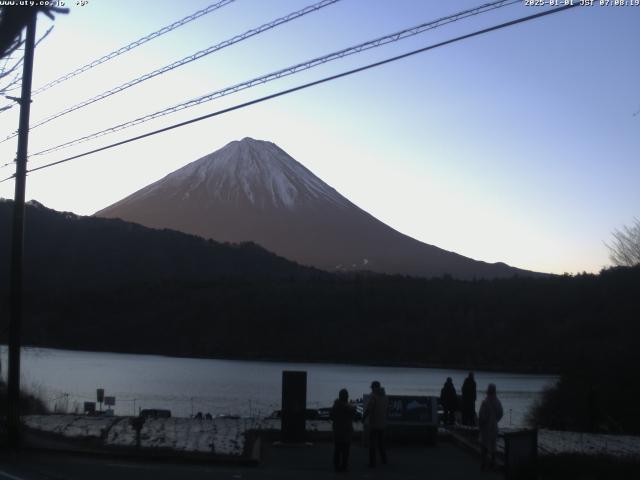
67, 252
253, 190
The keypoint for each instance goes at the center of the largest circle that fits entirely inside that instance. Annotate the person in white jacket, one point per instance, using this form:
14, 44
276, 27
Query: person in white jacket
488, 418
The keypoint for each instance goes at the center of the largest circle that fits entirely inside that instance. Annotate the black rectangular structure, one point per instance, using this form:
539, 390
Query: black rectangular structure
294, 405
521, 454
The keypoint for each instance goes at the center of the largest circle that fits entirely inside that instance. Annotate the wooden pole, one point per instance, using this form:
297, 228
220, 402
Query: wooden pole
17, 244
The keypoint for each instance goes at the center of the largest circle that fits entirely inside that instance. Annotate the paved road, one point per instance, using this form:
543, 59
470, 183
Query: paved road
444, 462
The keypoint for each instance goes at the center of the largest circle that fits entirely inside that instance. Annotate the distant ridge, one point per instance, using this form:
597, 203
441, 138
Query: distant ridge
67, 252
252, 190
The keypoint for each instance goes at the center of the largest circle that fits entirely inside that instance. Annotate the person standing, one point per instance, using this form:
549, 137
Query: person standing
469, 394
376, 412
449, 401
488, 418
342, 415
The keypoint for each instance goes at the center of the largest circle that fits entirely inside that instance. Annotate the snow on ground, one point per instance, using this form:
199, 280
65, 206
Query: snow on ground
220, 436
121, 434
70, 426
226, 436
553, 442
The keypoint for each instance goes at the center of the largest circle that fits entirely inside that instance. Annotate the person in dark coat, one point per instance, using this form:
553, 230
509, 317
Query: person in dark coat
449, 401
342, 416
375, 412
469, 394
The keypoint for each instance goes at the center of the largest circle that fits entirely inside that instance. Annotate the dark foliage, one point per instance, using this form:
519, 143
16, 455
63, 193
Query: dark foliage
100, 284
29, 403
597, 394
14, 18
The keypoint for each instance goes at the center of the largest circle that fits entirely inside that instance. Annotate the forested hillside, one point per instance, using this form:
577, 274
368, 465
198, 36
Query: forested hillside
109, 285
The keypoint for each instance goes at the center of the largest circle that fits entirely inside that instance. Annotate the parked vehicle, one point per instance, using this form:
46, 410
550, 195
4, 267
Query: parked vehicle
155, 413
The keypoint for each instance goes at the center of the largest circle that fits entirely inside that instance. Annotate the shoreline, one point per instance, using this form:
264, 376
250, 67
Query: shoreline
436, 366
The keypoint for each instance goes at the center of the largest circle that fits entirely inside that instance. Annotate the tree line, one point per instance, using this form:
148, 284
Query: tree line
103, 284
100, 284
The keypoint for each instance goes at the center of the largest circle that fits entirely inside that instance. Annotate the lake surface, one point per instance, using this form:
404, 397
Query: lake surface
247, 388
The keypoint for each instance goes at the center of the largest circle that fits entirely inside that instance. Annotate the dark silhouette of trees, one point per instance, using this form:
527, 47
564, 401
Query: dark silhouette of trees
13, 20
104, 284
598, 394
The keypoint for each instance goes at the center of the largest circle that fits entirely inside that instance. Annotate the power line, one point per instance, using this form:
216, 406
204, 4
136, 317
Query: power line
393, 37
160, 71
134, 44
306, 85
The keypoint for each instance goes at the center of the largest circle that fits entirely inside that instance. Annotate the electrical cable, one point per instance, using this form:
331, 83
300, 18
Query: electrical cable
167, 68
393, 37
308, 85
134, 44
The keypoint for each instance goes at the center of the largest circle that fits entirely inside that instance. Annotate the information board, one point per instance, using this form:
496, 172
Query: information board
410, 409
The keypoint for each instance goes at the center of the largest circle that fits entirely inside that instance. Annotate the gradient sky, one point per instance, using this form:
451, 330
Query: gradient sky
518, 146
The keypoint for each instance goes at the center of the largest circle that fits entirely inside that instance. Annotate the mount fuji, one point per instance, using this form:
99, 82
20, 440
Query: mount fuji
252, 190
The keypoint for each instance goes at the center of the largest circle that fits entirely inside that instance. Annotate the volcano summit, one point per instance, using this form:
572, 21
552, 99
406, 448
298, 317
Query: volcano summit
252, 190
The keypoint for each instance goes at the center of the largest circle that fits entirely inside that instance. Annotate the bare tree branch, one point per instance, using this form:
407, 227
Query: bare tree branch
624, 250
15, 65
16, 80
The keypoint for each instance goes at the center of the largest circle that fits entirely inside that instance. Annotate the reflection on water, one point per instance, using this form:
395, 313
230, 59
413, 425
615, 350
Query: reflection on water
247, 388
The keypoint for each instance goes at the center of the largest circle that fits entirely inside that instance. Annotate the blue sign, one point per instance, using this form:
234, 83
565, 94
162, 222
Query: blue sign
410, 409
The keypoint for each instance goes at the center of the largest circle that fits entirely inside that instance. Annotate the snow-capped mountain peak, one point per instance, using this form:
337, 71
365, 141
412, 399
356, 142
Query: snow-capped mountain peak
255, 171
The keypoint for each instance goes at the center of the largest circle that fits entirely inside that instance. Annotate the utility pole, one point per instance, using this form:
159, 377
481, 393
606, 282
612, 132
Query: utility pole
17, 244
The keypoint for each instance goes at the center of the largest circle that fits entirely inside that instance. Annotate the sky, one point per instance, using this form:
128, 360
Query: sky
520, 145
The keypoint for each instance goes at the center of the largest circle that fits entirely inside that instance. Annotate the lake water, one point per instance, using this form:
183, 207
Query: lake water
247, 388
